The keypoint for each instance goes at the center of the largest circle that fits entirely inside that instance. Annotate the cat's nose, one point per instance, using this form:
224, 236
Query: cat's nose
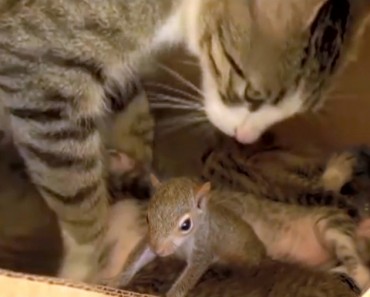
246, 135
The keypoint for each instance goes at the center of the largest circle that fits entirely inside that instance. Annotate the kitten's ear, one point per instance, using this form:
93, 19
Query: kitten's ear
202, 195
154, 181
119, 162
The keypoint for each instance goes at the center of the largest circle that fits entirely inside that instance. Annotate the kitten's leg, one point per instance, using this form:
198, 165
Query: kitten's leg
137, 259
194, 270
339, 235
55, 128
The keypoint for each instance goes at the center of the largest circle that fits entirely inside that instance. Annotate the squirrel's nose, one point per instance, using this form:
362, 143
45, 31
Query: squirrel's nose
162, 250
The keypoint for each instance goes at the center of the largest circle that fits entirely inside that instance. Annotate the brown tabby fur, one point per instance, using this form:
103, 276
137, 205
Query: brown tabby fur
270, 278
60, 60
294, 177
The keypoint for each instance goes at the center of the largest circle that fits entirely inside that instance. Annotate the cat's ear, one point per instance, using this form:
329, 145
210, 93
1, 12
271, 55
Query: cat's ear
119, 162
311, 10
201, 194
282, 16
154, 181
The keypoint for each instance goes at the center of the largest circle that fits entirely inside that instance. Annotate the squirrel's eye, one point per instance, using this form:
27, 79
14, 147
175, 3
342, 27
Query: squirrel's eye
186, 225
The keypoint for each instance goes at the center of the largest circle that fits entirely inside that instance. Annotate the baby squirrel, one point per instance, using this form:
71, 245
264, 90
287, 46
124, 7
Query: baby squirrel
191, 220
184, 221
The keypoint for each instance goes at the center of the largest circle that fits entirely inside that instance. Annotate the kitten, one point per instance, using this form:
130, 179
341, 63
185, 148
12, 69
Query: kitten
270, 278
261, 63
276, 173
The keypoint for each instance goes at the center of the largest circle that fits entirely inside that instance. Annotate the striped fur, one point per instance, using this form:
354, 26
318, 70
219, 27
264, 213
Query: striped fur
59, 62
292, 177
276, 62
62, 60
271, 278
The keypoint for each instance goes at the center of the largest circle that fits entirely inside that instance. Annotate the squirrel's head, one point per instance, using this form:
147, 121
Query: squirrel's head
175, 212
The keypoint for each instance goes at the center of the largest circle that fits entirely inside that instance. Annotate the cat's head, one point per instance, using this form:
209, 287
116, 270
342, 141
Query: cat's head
264, 61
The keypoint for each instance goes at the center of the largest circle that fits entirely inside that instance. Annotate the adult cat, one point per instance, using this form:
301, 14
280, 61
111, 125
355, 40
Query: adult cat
262, 61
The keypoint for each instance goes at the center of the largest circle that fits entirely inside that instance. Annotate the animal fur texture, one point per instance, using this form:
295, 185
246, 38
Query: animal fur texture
61, 59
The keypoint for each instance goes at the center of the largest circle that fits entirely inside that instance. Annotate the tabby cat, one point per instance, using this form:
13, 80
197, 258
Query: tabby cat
261, 61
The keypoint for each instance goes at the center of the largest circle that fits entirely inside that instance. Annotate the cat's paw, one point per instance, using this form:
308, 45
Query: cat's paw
124, 232
361, 275
348, 281
360, 179
80, 261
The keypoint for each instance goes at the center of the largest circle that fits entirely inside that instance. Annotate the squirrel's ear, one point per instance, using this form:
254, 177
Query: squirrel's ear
119, 162
202, 194
154, 180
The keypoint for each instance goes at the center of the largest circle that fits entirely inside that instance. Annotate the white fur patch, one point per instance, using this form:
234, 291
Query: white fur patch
223, 117
256, 123
238, 121
172, 31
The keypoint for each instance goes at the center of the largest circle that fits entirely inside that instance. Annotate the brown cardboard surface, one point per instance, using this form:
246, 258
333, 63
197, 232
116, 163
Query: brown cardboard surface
27, 285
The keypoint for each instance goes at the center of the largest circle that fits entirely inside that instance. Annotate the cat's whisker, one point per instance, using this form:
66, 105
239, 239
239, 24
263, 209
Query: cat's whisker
180, 78
170, 106
183, 119
175, 90
189, 62
178, 101
168, 129
163, 97
175, 123
320, 115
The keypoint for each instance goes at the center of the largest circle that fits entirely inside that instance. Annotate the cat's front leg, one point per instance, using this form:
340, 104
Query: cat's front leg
54, 124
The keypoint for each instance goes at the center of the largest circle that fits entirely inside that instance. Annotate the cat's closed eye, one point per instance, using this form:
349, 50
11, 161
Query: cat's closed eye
280, 66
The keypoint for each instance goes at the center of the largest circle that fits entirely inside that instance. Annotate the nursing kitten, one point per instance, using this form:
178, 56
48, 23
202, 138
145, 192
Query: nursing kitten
270, 278
291, 176
262, 62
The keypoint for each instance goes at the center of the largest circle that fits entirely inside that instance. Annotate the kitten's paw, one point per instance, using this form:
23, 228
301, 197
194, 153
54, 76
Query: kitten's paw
339, 171
362, 278
347, 280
